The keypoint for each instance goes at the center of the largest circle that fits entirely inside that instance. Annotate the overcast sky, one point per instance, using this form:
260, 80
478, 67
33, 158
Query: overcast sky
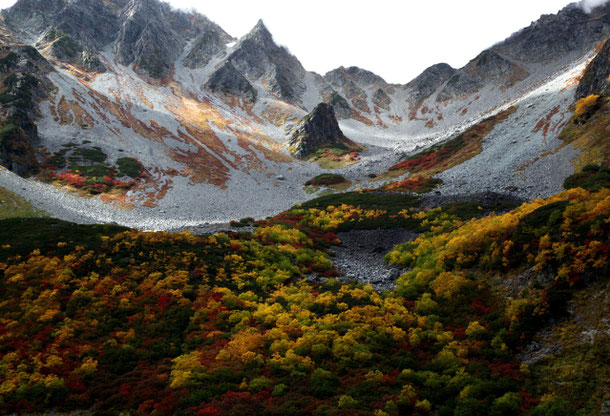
396, 39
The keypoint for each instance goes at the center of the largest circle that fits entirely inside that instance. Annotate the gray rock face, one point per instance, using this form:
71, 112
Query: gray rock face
318, 129
554, 36
147, 33
350, 83
487, 67
66, 49
381, 99
364, 77
258, 58
229, 81
207, 45
596, 78
92, 23
429, 81
146, 38
25, 83
340, 105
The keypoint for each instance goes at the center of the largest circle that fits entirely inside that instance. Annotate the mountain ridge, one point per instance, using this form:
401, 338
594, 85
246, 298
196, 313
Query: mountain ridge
197, 107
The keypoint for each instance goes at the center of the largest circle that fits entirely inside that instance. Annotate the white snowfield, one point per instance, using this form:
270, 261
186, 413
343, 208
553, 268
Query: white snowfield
232, 157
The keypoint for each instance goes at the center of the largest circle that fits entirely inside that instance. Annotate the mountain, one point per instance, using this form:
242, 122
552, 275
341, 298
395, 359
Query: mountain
433, 248
258, 57
319, 129
170, 93
596, 78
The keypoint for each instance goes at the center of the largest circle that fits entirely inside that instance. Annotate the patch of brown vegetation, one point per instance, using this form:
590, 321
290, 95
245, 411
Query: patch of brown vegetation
71, 112
454, 152
545, 122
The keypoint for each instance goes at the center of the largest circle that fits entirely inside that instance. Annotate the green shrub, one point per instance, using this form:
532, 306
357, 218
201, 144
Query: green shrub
129, 166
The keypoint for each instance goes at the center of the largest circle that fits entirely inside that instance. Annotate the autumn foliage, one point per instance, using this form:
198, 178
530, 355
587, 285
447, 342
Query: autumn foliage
230, 324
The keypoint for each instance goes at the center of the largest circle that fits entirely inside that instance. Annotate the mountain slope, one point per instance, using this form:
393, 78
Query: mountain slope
207, 118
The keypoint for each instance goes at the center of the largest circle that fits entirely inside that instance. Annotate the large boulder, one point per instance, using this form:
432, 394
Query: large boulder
317, 130
596, 77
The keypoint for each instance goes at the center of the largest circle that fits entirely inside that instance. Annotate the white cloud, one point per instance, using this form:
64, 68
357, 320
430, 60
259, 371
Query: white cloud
588, 5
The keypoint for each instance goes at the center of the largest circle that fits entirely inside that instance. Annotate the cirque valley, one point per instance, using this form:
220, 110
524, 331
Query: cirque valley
195, 224
207, 118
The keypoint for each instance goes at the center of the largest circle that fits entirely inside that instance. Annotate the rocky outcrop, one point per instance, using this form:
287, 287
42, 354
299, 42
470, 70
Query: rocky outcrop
341, 76
229, 81
554, 36
207, 45
317, 130
91, 23
258, 58
343, 81
428, 82
339, 104
147, 33
488, 67
66, 49
381, 99
596, 78
146, 39
23, 72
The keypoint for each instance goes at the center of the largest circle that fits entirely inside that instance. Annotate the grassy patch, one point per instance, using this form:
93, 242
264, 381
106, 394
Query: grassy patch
87, 170
591, 178
329, 182
417, 184
92, 171
326, 179
8, 61
244, 222
63, 44
12, 206
129, 166
90, 154
391, 202
6, 131
335, 157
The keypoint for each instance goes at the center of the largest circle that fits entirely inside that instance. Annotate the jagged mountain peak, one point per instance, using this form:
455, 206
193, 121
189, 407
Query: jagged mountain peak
258, 57
426, 83
260, 26
571, 30
340, 76
261, 35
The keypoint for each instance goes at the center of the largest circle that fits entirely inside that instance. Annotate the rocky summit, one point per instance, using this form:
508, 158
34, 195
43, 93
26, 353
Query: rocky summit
317, 130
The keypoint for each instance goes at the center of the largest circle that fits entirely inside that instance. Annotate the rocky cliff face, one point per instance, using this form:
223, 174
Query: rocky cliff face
572, 30
429, 81
596, 79
352, 84
258, 58
23, 75
147, 33
207, 45
229, 81
487, 67
317, 130
152, 36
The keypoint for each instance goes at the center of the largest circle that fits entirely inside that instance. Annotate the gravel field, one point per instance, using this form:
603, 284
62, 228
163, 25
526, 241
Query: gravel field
361, 256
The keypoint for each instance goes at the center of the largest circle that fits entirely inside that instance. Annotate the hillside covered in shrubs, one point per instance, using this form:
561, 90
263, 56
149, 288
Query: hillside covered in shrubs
110, 319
